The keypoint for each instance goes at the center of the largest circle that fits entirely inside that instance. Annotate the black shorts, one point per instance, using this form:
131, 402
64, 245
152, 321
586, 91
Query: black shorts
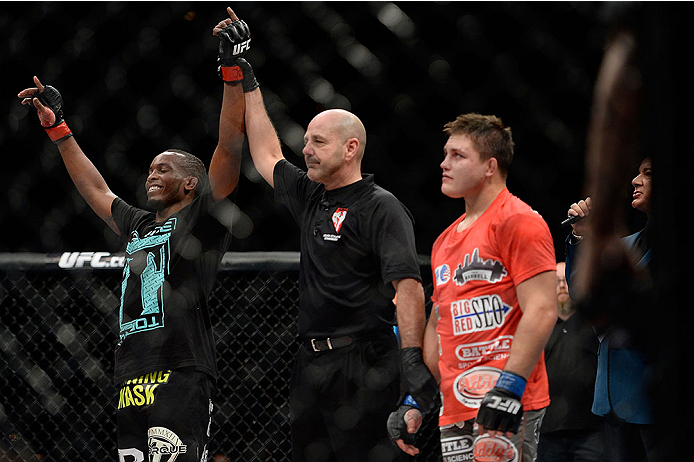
163, 414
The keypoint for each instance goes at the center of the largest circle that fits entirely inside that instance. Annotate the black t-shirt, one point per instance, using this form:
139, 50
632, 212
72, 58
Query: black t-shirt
170, 269
355, 241
571, 358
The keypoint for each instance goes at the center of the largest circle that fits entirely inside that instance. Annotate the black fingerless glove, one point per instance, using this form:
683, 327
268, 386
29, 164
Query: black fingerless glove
234, 43
416, 379
50, 97
501, 408
397, 427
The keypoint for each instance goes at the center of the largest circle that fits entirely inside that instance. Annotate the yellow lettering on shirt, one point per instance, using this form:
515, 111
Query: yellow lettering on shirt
139, 391
139, 397
149, 394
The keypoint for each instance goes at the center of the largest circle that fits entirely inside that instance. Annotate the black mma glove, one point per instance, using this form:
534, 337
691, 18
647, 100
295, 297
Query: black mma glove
397, 427
51, 99
234, 42
501, 408
416, 379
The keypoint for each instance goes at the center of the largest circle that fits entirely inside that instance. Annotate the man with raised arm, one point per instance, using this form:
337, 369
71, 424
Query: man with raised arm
357, 251
165, 361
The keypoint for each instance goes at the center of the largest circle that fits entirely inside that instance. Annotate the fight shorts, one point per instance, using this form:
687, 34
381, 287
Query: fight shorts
165, 416
460, 442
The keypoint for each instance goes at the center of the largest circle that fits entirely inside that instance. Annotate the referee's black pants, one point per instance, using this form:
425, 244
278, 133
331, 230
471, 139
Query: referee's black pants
340, 401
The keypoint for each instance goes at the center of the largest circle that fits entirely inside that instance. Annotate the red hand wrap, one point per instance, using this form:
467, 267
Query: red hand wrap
59, 132
232, 74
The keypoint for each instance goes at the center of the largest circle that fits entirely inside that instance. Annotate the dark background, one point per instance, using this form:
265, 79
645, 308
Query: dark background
138, 78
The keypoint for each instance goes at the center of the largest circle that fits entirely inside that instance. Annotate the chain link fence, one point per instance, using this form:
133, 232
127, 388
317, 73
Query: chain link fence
58, 324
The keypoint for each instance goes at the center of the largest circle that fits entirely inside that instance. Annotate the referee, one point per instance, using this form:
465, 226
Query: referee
357, 251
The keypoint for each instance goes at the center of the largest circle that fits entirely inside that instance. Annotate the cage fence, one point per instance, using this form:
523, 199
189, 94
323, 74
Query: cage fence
58, 324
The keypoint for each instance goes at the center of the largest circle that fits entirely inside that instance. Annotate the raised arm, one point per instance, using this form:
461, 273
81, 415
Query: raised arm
263, 142
89, 182
225, 165
262, 138
234, 41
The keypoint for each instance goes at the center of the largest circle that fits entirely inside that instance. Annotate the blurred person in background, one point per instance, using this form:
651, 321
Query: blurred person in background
570, 431
624, 368
611, 277
632, 288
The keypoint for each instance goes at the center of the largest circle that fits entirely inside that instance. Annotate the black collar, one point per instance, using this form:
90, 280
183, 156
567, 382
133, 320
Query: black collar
348, 194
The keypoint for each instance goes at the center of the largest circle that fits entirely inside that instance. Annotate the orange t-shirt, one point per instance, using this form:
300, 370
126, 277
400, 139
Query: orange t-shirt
475, 276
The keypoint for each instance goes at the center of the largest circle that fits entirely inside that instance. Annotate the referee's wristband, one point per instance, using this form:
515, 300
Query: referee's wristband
59, 132
511, 382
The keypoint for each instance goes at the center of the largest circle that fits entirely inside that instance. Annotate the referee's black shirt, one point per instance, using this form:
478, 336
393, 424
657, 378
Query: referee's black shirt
355, 241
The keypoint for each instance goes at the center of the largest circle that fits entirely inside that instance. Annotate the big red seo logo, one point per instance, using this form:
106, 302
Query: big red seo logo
494, 449
471, 386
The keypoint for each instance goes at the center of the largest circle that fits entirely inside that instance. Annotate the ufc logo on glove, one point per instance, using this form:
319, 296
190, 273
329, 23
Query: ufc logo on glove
240, 47
507, 405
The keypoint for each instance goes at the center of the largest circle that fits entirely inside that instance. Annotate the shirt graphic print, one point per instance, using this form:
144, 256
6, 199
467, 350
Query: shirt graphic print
147, 266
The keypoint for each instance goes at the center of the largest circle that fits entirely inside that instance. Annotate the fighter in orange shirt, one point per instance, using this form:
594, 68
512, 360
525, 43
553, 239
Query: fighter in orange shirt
494, 305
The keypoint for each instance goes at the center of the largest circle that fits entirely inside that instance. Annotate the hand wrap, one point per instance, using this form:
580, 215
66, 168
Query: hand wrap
501, 408
50, 97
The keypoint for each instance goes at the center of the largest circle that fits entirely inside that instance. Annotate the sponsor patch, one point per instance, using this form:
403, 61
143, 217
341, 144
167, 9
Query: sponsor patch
164, 445
478, 314
442, 274
495, 449
457, 449
476, 269
498, 348
470, 387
